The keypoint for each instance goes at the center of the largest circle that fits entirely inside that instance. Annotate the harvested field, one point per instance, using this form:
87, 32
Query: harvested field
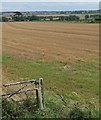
51, 40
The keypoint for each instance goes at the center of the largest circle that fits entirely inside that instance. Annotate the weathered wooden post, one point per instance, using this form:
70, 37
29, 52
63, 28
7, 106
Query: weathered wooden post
41, 93
37, 95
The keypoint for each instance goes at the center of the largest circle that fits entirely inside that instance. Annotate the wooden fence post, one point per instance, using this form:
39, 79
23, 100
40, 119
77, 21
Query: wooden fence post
41, 93
37, 98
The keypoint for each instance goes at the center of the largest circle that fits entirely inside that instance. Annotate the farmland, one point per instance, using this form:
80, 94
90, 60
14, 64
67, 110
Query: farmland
50, 40
66, 55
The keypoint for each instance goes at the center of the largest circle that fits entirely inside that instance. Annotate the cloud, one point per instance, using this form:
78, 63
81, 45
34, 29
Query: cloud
50, 0
42, 6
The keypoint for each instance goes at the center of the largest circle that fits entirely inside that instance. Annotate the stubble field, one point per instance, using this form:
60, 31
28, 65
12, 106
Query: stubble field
51, 41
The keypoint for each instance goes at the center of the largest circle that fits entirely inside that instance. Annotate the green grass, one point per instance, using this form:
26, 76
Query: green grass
77, 82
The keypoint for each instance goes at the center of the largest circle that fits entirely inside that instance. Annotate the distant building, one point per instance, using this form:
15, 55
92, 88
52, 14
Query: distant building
47, 19
91, 18
56, 18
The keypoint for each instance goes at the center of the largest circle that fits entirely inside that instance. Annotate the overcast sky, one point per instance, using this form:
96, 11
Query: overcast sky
46, 6
50, 0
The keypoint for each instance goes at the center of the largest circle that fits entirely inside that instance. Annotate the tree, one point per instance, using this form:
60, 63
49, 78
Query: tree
72, 18
32, 18
4, 19
86, 17
17, 13
62, 18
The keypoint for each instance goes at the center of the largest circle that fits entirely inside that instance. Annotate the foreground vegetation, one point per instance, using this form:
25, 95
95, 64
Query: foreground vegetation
54, 109
71, 89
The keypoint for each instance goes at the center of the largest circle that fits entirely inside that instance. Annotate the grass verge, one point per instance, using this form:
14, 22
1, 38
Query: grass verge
71, 89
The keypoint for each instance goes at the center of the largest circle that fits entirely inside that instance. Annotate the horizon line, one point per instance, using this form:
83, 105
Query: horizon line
51, 10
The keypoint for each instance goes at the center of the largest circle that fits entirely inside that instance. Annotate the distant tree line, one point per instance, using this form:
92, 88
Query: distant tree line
37, 18
69, 18
20, 17
93, 18
24, 18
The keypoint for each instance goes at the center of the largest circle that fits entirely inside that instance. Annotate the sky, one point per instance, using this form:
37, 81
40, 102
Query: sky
57, 5
50, 0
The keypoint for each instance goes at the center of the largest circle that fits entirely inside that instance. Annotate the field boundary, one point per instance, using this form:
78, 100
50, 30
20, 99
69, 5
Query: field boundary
38, 88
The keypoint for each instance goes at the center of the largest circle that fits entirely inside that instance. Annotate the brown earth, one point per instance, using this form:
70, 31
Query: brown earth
50, 40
